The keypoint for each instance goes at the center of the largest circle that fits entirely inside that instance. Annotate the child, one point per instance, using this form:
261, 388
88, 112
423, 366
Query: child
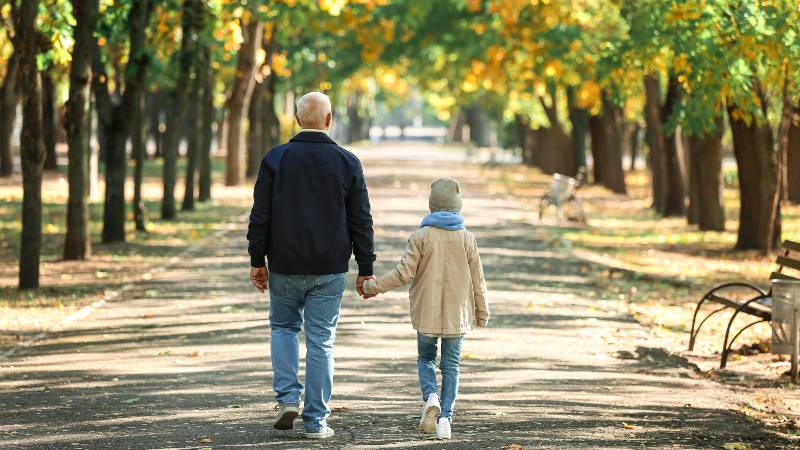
448, 294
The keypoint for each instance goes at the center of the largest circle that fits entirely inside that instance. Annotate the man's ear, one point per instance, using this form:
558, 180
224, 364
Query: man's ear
328, 120
297, 119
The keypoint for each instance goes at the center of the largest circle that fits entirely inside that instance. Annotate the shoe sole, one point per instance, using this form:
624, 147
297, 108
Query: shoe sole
319, 436
286, 421
428, 423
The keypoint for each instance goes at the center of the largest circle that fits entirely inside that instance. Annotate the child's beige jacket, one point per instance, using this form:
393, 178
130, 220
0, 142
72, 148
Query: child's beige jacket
448, 292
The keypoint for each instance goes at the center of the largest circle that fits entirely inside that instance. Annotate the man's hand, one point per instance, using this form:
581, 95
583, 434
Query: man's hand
360, 284
480, 322
259, 276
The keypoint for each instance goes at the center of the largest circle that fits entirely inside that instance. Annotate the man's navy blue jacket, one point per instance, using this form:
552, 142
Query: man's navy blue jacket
311, 209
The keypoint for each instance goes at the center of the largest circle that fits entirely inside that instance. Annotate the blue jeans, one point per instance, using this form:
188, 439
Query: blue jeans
317, 297
426, 360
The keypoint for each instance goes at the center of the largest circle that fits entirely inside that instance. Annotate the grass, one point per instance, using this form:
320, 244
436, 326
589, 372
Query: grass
68, 285
677, 261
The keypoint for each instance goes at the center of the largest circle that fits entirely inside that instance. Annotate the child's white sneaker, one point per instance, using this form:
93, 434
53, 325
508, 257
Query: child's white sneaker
443, 428
323, 433
430, 412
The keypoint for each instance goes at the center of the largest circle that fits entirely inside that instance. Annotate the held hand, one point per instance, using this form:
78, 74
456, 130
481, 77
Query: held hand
480, 322
259, 276
360, 283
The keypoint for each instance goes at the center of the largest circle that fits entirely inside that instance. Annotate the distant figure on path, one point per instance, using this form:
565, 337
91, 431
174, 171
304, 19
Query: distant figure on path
448, 296
310, 213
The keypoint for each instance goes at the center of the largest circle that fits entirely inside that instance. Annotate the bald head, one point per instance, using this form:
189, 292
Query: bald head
314, 111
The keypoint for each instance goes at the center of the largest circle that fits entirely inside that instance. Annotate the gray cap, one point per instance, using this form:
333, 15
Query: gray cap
445, 195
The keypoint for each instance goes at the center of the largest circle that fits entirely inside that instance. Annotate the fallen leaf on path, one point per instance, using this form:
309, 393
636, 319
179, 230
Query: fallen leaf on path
470, 356
341, 409
234, 406
204, 440
628, 426
131, 400
43, 388
736, 446
164, 353
511, 447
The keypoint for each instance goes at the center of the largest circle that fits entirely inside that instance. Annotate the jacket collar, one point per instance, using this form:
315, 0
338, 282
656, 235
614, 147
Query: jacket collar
312, 136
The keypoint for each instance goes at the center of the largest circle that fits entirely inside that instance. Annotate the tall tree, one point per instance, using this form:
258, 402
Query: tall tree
139, 134
239, 98
77, 244
204, 169
793, 159
49, 122
114, 117
27, 43
180, 94
9, 98
195, 126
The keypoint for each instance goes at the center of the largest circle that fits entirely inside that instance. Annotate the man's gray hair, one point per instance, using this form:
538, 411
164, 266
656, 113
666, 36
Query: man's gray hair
313, 108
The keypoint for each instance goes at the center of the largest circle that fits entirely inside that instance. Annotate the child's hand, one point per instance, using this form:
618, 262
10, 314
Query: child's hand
480, 322
368, 296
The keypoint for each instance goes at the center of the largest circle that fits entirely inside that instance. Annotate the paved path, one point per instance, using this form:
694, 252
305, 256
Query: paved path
183, 362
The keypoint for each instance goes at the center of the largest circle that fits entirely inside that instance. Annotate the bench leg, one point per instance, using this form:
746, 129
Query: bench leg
726, 346
695, 331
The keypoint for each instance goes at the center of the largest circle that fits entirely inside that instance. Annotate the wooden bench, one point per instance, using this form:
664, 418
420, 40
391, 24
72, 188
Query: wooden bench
758, 305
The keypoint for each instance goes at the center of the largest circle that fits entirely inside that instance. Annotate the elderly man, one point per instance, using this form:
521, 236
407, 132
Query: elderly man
310, 212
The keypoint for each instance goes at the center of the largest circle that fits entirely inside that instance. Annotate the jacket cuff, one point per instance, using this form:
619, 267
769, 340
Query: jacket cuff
257, 261
370, 287
365, 269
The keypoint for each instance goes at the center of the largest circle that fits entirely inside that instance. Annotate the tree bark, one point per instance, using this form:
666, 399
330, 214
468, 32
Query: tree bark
77, 120
49, 122
195, 134
793, 158
271, 126
255, 133
239, 100
579, 118
753, 146
654, 135
634, 144
9, 98
556, 148
153, 109
138, 150
705, 168
675, 195
180, 94
204, 181
478, 122
607, 147
115, 119
32, 150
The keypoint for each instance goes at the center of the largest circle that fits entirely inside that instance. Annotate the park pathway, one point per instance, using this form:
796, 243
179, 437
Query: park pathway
182, 360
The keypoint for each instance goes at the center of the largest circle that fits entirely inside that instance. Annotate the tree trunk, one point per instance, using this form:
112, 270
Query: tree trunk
634, 144
455, 129
654, 135
32, 150
49, 122
77, 119
607, 147
705, 168
675, 195
192, 9
139, 149
204, 182
793, 158
271, 126
556, 147
195, 133
579, 118
753, 146
478, 122
115, 119
255, 132
9, 97
153, 109
239, 100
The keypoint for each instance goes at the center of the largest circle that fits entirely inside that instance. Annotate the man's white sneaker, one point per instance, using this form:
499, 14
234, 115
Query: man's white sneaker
287, 412
430, 412
443, 428
323, 433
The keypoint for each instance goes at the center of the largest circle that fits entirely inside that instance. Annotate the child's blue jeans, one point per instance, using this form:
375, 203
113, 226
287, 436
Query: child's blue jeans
451, 354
